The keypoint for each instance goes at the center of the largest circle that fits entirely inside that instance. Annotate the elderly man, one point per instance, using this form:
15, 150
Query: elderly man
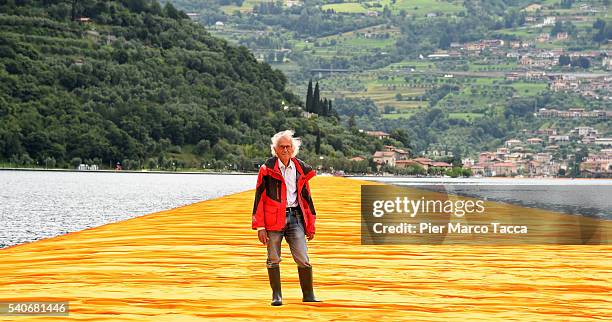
283, 208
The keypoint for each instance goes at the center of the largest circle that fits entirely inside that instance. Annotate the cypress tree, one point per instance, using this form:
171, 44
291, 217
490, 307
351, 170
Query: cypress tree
73, 12
309, 97
316, 100
324, 107
351, 122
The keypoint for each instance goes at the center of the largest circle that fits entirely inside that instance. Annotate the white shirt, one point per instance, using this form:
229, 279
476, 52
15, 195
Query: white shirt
289, 174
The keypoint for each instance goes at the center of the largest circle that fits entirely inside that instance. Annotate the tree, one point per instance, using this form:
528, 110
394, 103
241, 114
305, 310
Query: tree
309, 97
456, 161
171, 12
73, 11
351, 122
202, 147
599, 24
323, 107
49, 162
600, 36
388, 109
564, 60
402, 136
386, 12
603, 32
76, 161
566, 4
454, 172
557, 28
121, 56
444, 41
316, 100
583, 62
578, 158
156, 8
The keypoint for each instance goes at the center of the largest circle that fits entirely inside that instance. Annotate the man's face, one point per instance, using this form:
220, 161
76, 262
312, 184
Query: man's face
284, 149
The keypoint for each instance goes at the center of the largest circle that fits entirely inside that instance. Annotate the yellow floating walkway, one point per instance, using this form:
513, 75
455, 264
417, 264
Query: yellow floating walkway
203, 262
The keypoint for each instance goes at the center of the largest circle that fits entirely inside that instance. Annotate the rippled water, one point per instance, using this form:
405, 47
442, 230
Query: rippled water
591, 198
41, 204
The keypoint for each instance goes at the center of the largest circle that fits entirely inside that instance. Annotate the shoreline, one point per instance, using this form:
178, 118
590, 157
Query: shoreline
351, 176
128, 171
474, 178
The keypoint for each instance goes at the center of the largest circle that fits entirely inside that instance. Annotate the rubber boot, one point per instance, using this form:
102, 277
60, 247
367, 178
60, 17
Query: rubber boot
275, 284
305, 274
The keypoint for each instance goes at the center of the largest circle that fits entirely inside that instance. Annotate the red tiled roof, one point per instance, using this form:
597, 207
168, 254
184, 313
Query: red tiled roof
422, 160
441, 164
381, 154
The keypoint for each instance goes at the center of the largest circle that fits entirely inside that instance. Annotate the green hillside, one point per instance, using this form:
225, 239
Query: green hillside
465, 74
137, 82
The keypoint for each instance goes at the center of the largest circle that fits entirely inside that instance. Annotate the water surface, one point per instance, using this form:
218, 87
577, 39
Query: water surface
42, 204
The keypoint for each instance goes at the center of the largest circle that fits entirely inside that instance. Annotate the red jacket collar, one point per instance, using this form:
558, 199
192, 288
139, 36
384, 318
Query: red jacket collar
273, 165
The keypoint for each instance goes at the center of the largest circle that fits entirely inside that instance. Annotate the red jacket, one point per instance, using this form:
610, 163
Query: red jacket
271, 196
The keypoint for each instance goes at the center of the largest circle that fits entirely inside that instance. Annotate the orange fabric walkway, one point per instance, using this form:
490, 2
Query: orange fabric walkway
203, 262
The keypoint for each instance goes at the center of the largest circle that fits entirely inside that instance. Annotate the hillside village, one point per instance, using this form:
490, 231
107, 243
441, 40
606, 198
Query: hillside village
552, 49
538, 155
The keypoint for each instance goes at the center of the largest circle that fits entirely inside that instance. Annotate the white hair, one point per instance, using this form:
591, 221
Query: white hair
295, 142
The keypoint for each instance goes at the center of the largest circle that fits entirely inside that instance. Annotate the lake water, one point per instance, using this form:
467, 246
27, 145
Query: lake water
582, 197
42, 204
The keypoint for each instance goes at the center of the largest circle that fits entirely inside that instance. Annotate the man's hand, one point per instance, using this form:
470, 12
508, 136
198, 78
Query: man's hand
310, 236
263, 236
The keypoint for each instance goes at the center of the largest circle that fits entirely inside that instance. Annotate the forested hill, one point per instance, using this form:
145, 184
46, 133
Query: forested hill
136, 82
